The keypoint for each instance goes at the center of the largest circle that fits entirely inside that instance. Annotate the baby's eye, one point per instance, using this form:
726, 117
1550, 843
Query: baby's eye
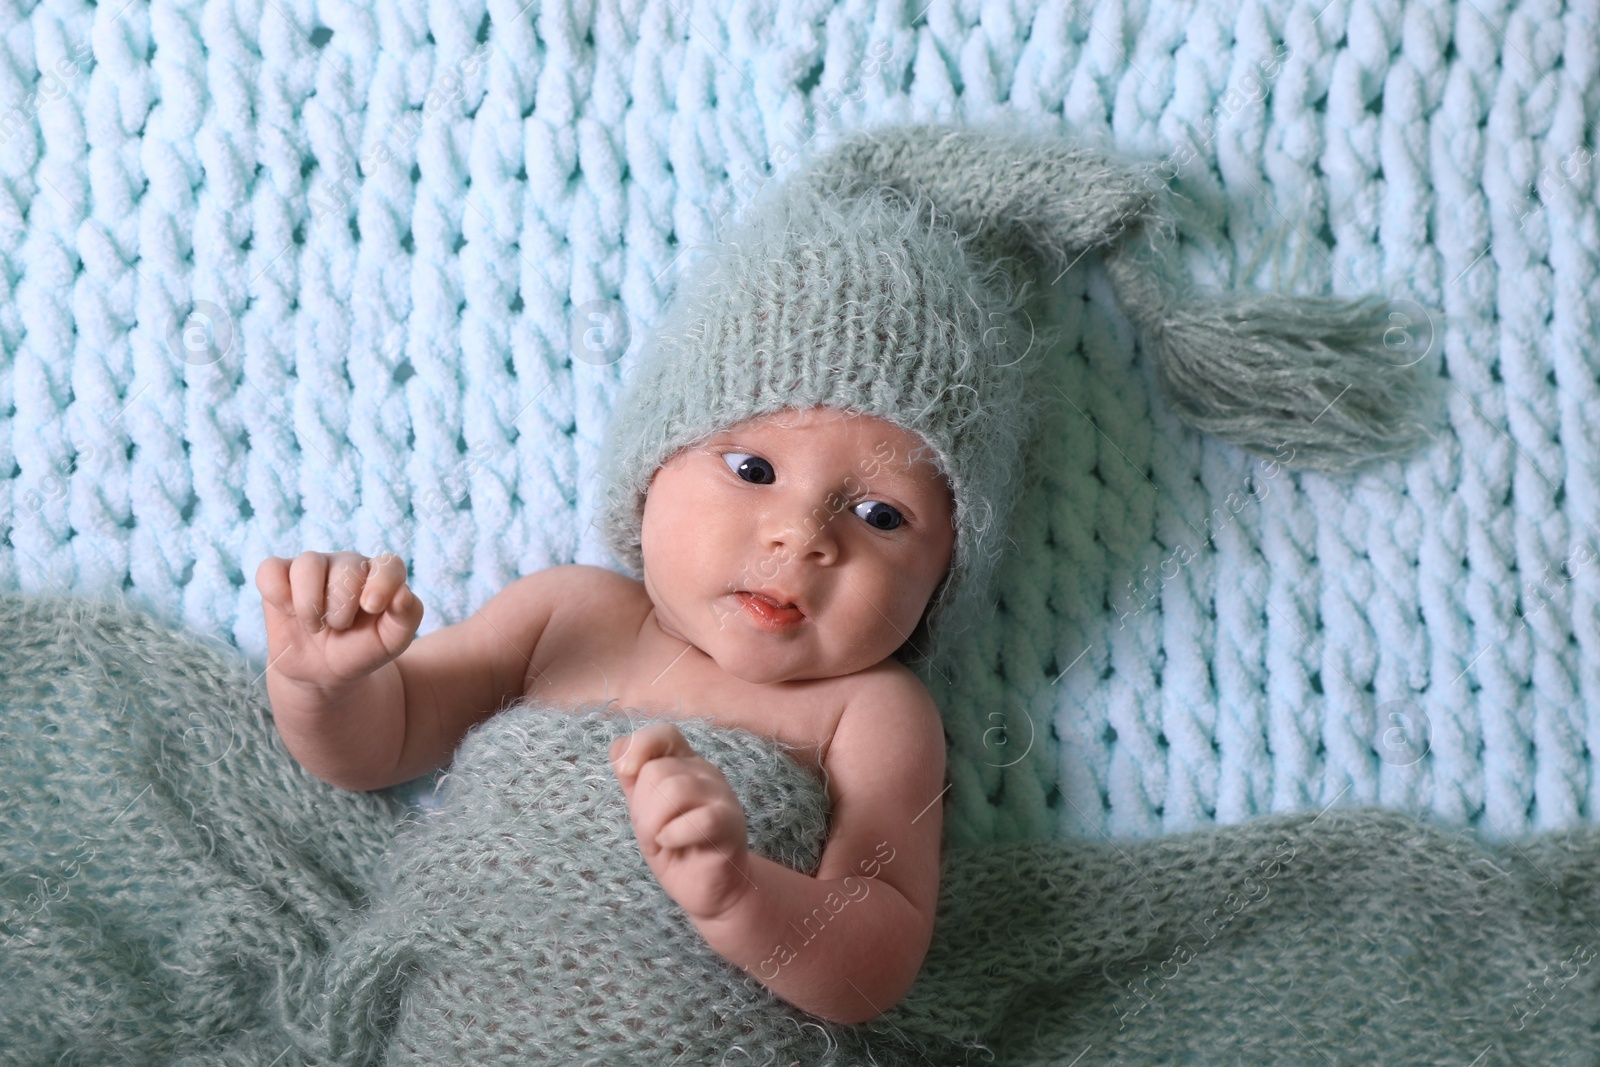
750, 468
878, 514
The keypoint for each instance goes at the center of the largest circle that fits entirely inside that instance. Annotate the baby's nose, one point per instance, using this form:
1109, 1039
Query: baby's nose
807, 527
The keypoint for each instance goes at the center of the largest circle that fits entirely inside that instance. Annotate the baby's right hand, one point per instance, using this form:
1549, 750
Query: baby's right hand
333, 618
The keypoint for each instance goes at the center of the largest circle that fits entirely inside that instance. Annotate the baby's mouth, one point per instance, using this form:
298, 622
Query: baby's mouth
768, 612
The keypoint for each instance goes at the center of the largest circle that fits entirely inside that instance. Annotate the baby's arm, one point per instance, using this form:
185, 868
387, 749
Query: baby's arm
847, 944
358, 714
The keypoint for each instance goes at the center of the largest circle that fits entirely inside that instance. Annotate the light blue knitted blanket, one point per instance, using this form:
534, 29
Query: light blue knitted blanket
286, 276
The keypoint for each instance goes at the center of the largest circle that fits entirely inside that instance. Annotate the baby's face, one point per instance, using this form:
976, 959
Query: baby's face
826, 510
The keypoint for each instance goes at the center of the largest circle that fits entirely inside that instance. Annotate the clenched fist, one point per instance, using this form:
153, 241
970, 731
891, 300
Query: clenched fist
689, 823
333, 618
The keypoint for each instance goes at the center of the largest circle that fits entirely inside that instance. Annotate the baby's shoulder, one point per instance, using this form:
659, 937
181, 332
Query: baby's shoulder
887, 705
601, 579
587, 606
597, 593
891, 679
885, 777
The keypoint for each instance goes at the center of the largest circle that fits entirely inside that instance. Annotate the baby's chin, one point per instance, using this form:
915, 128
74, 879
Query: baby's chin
750, 661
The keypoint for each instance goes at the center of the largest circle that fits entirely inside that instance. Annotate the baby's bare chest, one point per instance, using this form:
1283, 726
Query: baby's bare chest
598, 659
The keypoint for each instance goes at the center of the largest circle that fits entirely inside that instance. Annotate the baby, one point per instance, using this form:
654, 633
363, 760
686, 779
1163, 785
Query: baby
786, 558
814, 460
809, 467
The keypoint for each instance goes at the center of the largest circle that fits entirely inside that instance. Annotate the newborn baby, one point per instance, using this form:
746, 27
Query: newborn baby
786, 558
813, 459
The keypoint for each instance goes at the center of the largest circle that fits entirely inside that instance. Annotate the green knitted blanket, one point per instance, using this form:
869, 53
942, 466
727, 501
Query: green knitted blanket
176, 890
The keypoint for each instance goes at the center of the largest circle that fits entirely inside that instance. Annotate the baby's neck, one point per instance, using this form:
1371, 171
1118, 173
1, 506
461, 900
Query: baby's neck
664, 654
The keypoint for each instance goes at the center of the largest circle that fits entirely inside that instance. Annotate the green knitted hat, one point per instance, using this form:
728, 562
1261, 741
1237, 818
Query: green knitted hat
884, 279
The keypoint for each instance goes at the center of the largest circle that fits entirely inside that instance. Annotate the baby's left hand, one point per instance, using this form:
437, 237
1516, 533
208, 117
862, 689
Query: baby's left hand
690, 826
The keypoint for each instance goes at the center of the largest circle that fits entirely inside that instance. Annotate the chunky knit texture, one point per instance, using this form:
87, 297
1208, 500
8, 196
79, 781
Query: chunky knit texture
170, 880
176, 891
412, 236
